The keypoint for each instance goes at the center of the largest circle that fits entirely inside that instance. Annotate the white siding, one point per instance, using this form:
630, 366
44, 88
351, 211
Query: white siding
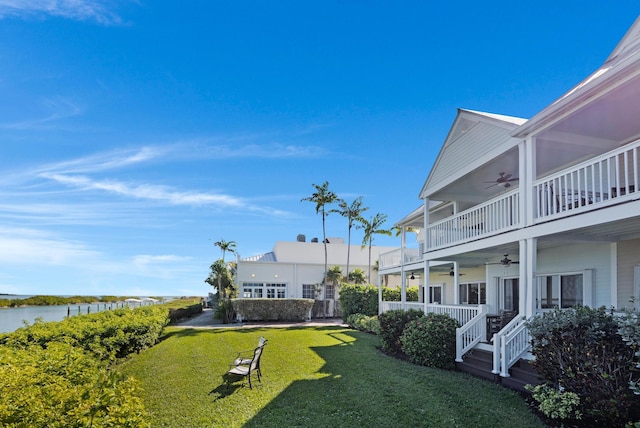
628, 258
579, 257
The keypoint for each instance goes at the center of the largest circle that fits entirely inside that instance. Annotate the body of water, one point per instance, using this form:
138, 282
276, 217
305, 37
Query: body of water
12, 319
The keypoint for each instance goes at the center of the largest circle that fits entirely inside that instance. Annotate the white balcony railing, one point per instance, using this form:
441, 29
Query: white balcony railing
492, 217
588, 185
394, 257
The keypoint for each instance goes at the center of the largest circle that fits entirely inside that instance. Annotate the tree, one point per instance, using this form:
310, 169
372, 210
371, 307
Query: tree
220, 277
323, 197
353, 214
358, 276
373, 227
334, 275
225, 246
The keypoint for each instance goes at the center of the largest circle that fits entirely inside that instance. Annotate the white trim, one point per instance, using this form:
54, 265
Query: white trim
636, 287
613, 280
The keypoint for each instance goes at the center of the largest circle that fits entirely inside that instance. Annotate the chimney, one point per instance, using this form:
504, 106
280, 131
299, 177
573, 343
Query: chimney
301, 238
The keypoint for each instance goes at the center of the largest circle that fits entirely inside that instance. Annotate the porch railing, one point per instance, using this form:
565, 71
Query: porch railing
389, 306
590, 184
471, 333
463, 314
509, 345
494, 216
394, 257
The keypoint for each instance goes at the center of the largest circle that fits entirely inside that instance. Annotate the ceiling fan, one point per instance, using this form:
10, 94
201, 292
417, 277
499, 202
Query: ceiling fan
451, 273
503, 180
505, 262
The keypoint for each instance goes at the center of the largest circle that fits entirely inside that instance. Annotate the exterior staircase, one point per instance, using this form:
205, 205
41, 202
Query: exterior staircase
479, 363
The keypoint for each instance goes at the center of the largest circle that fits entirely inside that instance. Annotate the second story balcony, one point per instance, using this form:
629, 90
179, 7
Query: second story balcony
601, 181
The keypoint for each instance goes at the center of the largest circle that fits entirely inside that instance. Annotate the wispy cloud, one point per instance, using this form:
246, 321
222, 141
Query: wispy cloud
79, 10
147, 191
35, 247
264, 151
57, 108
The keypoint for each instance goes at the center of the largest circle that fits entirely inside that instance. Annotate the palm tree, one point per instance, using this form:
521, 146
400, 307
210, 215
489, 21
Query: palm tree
358, 276
353, 213
334, 275
323, 197
373, 227
225, 246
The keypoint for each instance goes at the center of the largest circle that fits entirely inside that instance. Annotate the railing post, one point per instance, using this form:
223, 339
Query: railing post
458, 345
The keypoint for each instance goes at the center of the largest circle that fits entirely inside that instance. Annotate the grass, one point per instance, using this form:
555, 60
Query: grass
312, 377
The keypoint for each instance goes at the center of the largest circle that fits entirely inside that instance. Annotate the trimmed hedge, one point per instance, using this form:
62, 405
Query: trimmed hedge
57, 373
272, 309
63, 386
107, 335
176, 314
395, 294
358, 299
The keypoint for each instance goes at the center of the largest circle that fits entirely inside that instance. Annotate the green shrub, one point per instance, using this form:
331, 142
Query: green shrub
224, 311
630, 331
108, 334
556, 404
364, 323
580, 350
61, 385
273, 309
176, 314
431, 341
392, 324
358, 299
394, 294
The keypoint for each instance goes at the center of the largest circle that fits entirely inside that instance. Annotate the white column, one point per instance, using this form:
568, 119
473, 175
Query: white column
527, 162
427, 235
403, 283
528, 285
456, 283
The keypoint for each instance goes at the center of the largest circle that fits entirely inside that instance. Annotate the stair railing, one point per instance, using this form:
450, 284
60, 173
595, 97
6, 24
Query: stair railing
470, 334
509, 345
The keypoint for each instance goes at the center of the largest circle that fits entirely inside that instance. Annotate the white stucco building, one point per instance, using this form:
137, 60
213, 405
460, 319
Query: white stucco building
295, 269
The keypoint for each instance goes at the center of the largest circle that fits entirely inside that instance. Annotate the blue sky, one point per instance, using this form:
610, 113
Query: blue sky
135, 134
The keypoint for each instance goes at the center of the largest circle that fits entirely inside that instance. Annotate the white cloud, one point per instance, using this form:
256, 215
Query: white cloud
57, 108
34, 247
79, 10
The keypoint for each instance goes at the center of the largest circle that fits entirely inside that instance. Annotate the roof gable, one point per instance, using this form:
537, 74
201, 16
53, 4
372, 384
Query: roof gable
472, 134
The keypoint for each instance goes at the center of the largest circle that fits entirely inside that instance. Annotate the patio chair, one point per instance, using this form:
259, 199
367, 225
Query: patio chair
246, 360
245, 370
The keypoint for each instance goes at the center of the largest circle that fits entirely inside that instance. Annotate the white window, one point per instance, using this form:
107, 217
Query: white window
330, 291
308, 291
473, 293
251, 290
276, 290
560, 291
257, 290
435, 294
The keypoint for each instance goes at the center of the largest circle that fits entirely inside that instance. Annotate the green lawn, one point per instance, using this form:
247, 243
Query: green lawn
312, 377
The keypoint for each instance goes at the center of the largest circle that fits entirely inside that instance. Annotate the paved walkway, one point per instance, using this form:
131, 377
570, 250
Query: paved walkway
206, 320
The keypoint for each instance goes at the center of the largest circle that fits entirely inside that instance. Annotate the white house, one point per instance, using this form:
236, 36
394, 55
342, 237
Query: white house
520, 216
296, 269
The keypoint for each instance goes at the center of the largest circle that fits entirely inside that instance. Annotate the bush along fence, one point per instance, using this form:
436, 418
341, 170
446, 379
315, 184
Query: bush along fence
57, 373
